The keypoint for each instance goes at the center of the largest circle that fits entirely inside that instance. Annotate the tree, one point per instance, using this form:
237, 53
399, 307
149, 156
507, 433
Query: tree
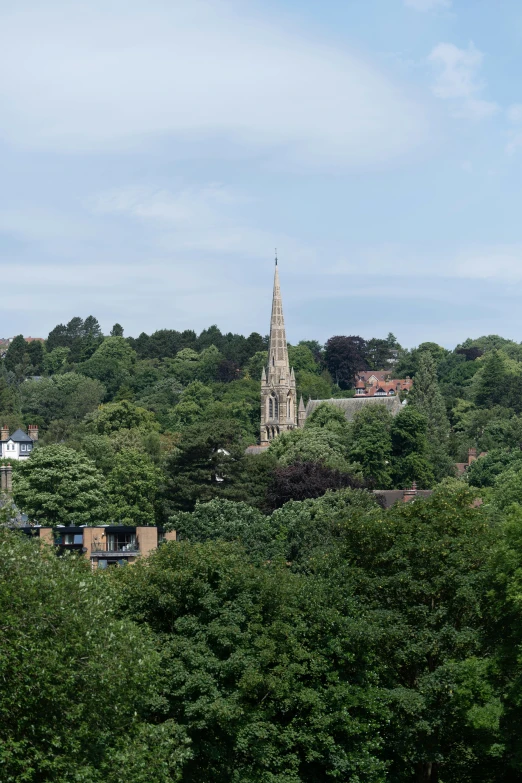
193, 403
483, 472
426, 397
117, 330
58, 338
132, 486
210, 337
419, 573
55, 360
59, 486
302, 359
371, 444
15, 358
255, 364
81, 678
70, 396
489, 386
91, 327
409, 449
225, 520
344, 357
204, 466
124, 415
248, 669
303, 480
111, 364
35, 357
380, 353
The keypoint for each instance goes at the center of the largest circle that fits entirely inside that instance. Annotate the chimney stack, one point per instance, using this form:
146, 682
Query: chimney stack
9, 478
4, 432
3, 478
410, 494
32, 431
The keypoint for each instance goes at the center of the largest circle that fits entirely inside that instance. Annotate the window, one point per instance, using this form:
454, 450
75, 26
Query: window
22, 447
69, 539
121, 542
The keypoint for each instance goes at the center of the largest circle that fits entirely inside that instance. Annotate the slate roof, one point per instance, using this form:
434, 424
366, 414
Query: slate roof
351, 405
391, 496
20, 437
255, 449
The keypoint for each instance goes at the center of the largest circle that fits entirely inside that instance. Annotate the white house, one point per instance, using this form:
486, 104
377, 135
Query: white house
19, 445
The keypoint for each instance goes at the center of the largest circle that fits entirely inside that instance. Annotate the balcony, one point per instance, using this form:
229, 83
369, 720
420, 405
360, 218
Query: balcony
116, 546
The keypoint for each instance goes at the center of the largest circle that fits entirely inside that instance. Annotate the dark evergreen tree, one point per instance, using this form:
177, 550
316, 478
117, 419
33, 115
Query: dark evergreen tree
58, 338
117, 330
16, 356
204, 466
344, 357
35, 355
210, 336
371, 444
303, 480
410, 449
91, 327
426, 397
490, 388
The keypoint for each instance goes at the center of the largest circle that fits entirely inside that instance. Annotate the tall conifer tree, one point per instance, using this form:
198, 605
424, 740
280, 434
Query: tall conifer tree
426, 397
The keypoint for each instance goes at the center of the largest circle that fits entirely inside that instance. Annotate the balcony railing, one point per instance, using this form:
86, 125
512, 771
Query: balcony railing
114, 548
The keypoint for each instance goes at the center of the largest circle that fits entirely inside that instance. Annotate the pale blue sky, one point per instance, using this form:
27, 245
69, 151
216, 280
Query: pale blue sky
152, 155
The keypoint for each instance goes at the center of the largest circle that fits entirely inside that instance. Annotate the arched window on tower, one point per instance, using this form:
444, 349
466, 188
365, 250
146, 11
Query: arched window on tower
276, 408
288, 406
270, 407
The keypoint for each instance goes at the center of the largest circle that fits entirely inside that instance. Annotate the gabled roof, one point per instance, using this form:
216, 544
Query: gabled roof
351, 405
20, 437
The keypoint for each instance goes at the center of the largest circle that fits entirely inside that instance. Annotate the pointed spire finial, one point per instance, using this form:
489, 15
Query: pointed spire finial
276, 256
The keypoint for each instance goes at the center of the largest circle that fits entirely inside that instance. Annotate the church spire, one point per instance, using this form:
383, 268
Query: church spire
278, 365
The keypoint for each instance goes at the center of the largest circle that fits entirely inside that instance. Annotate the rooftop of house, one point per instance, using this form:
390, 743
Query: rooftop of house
19, 436
351, 405
391, 496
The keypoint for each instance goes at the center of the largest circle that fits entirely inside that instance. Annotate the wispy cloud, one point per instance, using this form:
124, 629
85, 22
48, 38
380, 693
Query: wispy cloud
205, 218
514, 133
110, 75
457, 80
499, 263
427, 5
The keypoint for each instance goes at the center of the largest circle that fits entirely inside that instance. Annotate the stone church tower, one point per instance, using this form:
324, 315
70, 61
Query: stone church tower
278, 393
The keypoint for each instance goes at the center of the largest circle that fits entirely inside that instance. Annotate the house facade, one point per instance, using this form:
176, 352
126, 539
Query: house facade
380, 383
111, 545
19, 445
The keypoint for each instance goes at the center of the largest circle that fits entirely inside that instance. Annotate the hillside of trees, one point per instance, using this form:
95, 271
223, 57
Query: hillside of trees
297, 632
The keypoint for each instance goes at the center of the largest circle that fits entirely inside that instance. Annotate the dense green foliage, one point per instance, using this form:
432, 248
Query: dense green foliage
297, 631
185, 403
332, 640
78, 681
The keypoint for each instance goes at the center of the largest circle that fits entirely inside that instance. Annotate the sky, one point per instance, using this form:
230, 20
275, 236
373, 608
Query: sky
154, 154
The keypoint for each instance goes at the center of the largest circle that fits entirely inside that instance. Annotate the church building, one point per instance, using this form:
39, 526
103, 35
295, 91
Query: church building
278, 393
279, 409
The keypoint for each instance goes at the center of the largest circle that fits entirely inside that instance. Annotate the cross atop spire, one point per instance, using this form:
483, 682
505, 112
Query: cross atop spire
276, 256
